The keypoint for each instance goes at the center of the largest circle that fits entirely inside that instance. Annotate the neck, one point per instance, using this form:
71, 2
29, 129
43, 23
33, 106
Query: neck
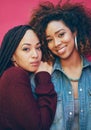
71, 62
72, 68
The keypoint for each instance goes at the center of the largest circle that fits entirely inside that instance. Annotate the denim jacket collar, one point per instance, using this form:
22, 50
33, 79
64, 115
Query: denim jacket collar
57, 65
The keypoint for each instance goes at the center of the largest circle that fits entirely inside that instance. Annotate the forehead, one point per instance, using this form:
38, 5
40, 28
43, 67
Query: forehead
30, 37
30, 34
55, 26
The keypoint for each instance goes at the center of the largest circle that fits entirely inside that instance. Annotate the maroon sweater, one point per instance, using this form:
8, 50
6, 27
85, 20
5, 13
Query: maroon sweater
19, 110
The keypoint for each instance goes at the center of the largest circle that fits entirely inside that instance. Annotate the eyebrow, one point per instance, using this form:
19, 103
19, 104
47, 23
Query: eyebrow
59, 31
55, 32
29, 44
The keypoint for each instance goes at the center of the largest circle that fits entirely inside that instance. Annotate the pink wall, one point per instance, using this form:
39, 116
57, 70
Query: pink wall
14, 12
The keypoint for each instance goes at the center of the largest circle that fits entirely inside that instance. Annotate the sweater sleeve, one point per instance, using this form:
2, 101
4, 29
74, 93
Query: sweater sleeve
25, 111
46, 98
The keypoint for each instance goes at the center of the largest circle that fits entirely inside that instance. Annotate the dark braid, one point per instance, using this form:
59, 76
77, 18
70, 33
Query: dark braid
9, 44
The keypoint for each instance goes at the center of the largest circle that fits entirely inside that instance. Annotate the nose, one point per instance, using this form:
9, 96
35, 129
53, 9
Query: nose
34, 53
57, 41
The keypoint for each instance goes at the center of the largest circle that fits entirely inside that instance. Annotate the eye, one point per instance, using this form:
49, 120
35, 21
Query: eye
26, 49
61, 34
48, 40
38, 47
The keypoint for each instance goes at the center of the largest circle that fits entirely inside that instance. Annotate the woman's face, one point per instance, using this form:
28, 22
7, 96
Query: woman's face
60, 39
28, 53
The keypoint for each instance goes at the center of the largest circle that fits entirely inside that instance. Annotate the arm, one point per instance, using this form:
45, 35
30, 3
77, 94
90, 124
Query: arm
46, 98
27, 112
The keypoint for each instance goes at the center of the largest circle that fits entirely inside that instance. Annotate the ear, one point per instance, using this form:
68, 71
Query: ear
75, 33
12, 59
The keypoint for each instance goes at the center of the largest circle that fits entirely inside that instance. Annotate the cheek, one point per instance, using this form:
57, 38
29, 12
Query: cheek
40, 55
50, 46
23, 57
70, 38
67, 39
22, 60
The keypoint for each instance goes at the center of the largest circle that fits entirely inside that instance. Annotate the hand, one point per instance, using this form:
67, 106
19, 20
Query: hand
44, 66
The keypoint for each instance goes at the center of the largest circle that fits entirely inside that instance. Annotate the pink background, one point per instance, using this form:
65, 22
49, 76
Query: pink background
15, 12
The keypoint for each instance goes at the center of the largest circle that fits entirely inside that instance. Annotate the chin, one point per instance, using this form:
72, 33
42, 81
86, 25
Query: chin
33, 70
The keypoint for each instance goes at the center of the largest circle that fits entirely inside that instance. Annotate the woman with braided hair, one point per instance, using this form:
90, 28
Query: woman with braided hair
20, 56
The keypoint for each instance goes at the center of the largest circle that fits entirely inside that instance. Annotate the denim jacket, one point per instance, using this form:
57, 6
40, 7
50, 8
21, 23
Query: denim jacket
65, 99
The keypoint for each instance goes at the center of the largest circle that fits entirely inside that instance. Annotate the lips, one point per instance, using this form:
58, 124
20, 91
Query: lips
36, 63
61, 49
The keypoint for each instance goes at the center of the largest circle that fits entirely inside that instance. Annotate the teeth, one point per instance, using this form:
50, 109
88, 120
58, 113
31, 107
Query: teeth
61, 50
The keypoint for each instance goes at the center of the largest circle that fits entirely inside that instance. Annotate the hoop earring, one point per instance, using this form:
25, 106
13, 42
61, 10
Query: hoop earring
76, 43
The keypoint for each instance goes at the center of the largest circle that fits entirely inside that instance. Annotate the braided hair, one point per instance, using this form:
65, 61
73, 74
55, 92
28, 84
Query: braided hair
9, 44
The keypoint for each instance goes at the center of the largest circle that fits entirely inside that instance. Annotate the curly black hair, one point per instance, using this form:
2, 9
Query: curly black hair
75, 16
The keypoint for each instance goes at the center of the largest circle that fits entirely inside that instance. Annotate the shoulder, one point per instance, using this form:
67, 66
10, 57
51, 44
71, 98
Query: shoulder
86, 62
14, 72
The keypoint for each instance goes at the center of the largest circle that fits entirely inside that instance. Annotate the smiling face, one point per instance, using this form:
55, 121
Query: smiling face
28, 53
60, 39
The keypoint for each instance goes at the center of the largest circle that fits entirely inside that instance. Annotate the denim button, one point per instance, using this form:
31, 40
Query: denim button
69, 92
81, 110
70, 113
80, 89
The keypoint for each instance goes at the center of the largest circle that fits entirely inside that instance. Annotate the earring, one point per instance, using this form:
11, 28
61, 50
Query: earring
76, 43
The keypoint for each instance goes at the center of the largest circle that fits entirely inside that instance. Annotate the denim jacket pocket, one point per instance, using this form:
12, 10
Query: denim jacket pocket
59, 111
